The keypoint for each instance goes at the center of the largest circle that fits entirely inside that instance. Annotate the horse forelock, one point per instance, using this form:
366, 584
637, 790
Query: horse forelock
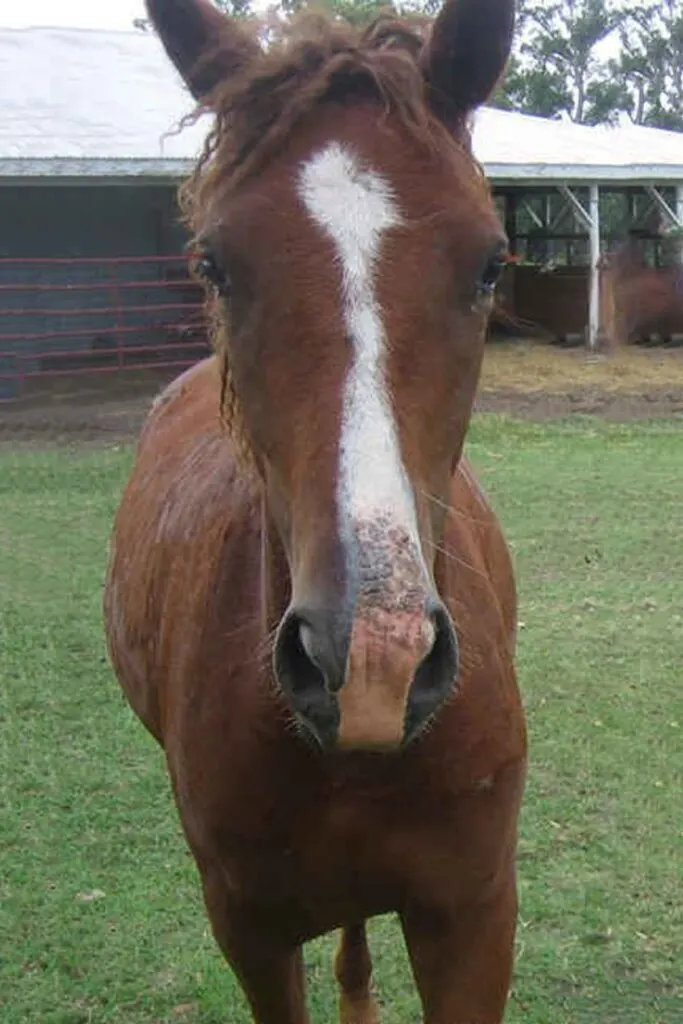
312, 60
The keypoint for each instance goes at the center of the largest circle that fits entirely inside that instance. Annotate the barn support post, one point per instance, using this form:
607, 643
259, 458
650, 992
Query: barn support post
590, 219
594, 236
632, 204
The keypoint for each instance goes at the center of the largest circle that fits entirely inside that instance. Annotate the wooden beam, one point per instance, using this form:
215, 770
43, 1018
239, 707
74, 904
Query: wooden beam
579, 210
674, 216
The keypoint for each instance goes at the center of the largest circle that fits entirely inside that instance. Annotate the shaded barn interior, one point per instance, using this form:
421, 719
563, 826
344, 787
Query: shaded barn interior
547, 285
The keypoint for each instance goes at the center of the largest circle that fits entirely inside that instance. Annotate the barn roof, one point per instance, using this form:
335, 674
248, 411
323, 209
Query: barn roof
517, 147
92, 103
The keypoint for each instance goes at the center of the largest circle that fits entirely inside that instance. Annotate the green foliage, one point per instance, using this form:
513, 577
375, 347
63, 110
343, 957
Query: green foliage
561, 66
356, 12
362, 12
557, 68
650, 65
538, 89
237, 8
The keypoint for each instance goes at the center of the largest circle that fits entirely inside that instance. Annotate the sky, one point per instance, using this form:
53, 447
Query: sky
79, 13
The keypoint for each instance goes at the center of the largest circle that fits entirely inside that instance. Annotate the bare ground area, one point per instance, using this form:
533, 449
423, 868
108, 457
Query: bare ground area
526, 380
541, 382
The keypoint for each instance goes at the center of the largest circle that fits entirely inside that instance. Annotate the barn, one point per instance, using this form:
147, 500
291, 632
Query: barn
570, 193
93, 276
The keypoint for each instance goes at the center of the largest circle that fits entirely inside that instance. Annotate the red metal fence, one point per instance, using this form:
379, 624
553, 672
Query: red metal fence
87, 316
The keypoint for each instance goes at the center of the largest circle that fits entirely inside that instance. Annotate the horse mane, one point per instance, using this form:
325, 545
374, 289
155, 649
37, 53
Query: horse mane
310, 61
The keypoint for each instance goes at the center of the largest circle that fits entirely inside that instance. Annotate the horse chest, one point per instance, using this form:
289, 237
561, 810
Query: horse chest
322, 868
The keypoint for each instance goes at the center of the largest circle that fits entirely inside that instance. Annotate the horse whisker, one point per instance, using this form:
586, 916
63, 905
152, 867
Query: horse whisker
453, 511
458, 561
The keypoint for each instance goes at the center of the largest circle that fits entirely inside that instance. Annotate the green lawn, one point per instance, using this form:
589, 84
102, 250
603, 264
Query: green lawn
101, 918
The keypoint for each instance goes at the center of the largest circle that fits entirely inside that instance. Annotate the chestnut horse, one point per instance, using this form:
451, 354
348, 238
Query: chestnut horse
637, 299
310, 603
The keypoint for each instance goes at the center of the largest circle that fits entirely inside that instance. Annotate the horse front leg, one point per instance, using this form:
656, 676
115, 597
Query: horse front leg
462, 958
271, 974
273, 982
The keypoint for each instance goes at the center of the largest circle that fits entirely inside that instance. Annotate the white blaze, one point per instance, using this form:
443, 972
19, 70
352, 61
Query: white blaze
354, 207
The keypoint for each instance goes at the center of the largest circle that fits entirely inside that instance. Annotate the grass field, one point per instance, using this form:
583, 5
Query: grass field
101, 918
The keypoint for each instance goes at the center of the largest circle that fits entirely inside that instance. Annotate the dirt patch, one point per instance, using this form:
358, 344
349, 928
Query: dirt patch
525, 366
81, 410
542, 382
610, 405
529, 381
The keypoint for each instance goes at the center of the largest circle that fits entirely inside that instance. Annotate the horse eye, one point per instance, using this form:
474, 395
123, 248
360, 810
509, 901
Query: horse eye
206, 265
493, 271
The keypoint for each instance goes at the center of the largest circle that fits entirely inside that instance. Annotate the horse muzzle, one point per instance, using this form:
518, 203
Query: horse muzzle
369, 680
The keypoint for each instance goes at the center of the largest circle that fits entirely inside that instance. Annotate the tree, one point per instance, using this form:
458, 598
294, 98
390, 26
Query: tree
650, 66
535, 88
557, 67
355, 12
237, 8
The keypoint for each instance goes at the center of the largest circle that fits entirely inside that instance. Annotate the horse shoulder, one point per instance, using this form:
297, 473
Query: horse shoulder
482, 735
482, 553
186, 502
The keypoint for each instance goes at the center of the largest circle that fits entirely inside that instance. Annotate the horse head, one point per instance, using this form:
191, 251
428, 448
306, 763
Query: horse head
352, 248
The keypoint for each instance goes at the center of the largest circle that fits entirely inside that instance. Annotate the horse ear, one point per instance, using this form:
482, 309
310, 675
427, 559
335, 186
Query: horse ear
466, 54
205, 45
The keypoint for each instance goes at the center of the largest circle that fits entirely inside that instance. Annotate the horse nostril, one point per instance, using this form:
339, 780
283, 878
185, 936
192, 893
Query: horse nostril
295, 665
300, 671
307, 641
436, 675
439, 668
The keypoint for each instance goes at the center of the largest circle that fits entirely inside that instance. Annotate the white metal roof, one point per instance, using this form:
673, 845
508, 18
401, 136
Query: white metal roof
84, 102
93, 103
517, 147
